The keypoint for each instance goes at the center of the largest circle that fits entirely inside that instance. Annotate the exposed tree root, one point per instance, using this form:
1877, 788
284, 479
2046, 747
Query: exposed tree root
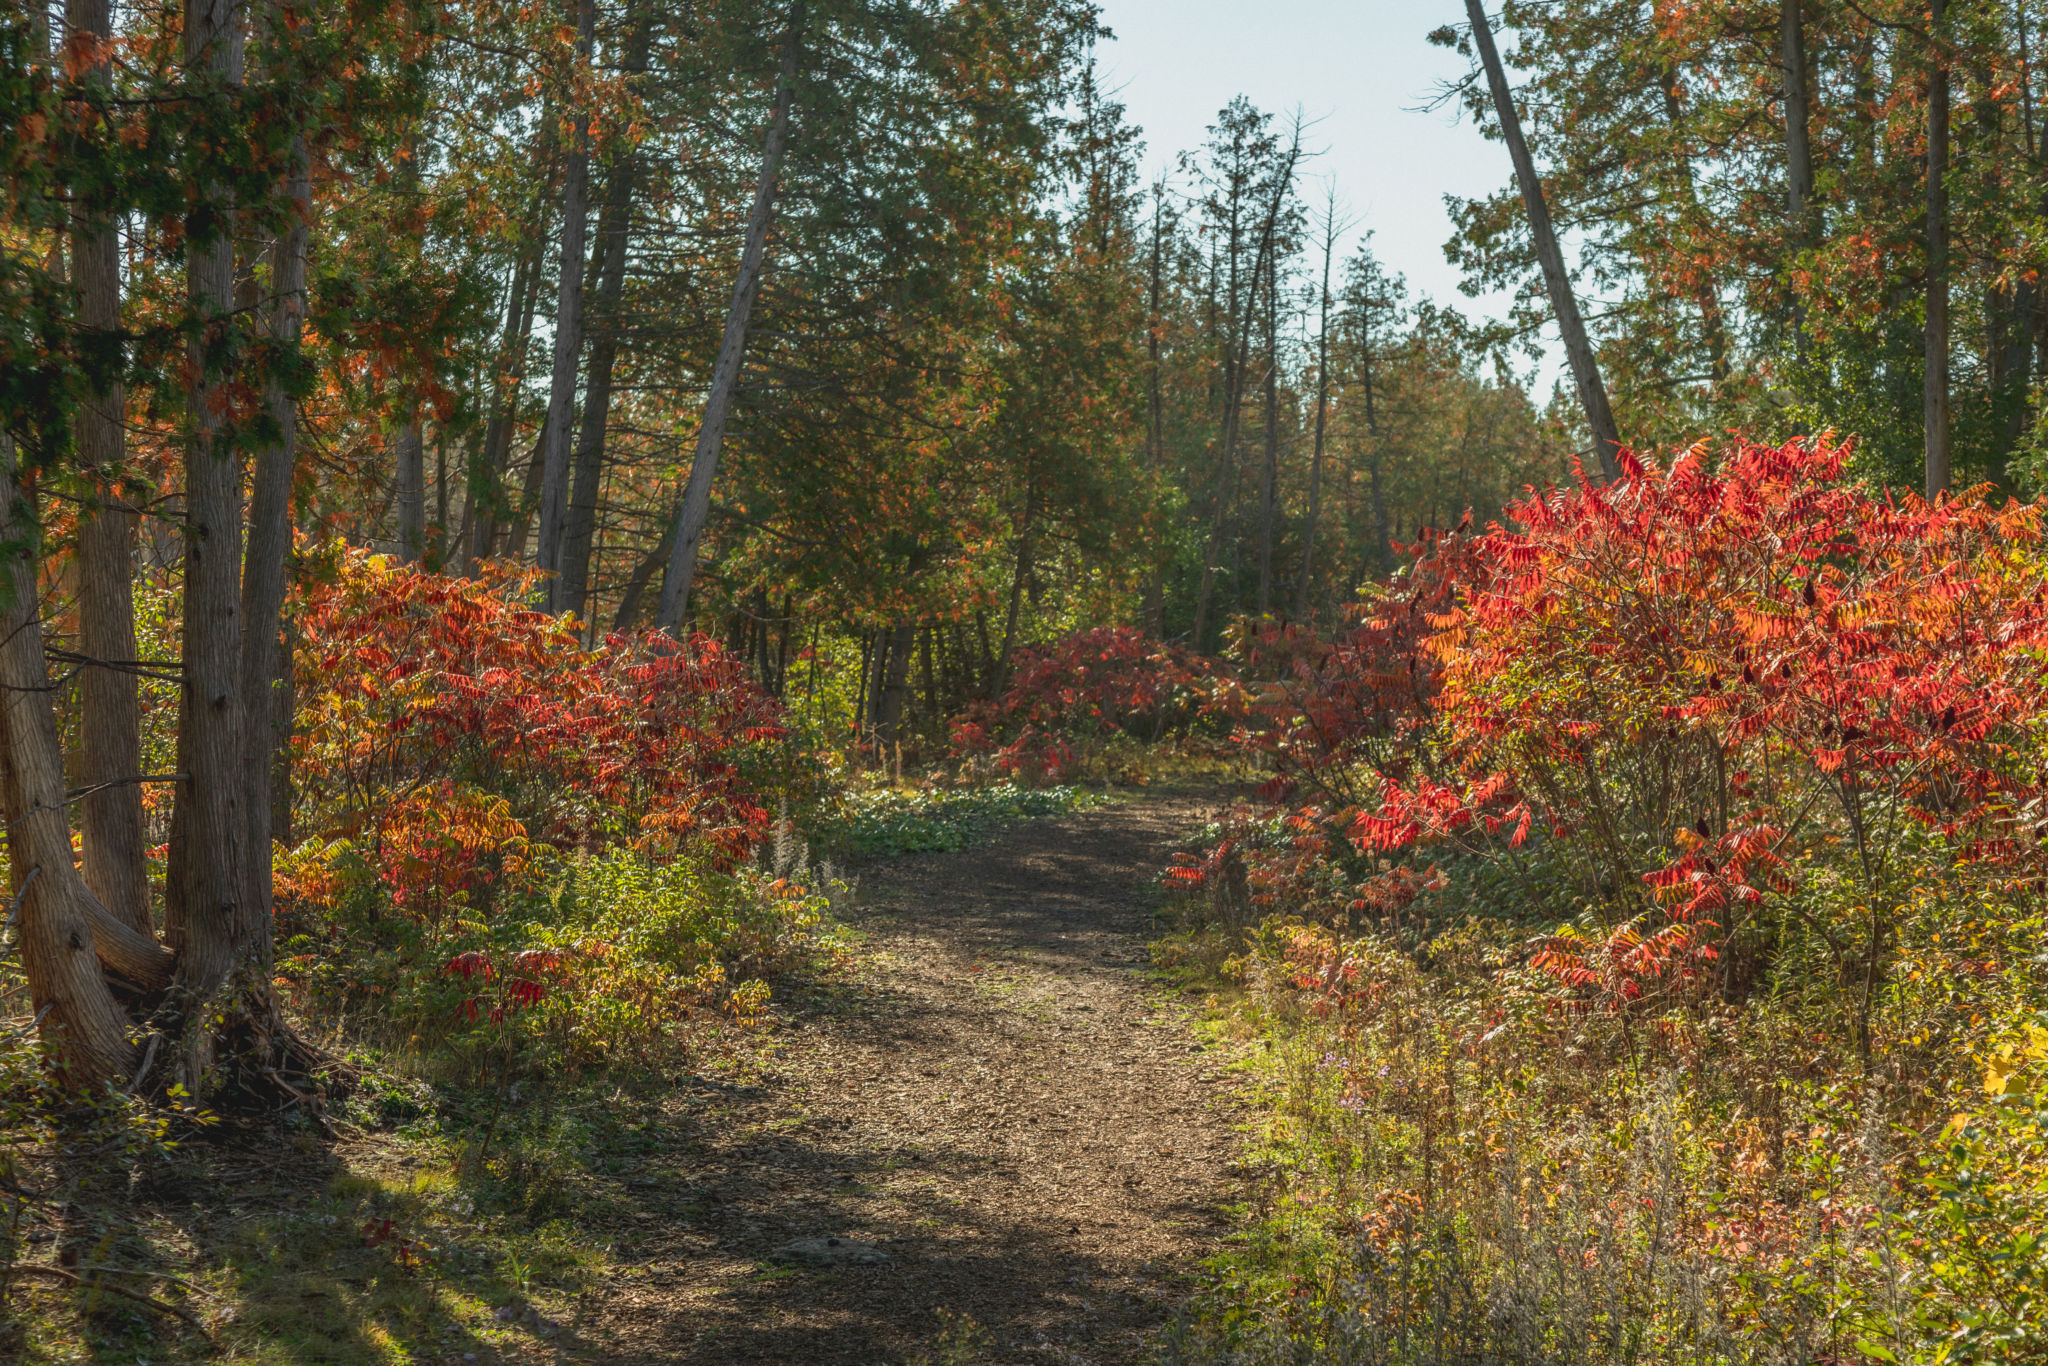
58, 1273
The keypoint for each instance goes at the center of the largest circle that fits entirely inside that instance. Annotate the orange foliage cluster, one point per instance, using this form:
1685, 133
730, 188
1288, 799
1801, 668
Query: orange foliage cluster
1066, 700
1717, 662
446, 729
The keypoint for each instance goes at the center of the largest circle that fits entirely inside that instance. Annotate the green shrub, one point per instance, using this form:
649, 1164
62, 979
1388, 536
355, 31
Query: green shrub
884, 822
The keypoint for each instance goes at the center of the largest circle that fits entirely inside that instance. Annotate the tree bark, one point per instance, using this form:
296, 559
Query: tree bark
1706, 295
1798, 147
212, 922
695, 509
80, 1020
1233, 399
895, 677
1155, 444
614, 224
554, 440
1798, 118
1382, 540
1578, 351
1269, 468
1021, 572
409, 480
642, 575
1315, 463
1935, 389
486, 493
265, 657
111, 826
529, 496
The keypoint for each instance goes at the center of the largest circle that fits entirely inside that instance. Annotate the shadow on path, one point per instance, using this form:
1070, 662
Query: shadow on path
1000, 1104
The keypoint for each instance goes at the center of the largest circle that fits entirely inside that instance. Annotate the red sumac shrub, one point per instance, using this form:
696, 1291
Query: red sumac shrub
1692, 674
442, 726
1067, 700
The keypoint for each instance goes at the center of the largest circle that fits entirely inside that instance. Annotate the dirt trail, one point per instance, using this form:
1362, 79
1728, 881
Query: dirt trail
997, 1102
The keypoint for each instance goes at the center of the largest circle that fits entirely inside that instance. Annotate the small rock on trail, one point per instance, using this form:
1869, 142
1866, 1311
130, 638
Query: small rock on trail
829, 1252
1006, 1120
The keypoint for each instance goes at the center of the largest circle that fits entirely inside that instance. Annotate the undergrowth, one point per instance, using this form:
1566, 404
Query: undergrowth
1642, 959
884, 822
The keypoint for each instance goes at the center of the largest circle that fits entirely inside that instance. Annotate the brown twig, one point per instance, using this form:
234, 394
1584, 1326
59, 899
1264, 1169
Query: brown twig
154, 1275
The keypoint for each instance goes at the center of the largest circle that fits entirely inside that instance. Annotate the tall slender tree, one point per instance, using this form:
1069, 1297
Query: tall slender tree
561, 413
1564, 305
111, 825
1935, 384
614, 227
1331, 228
694, 509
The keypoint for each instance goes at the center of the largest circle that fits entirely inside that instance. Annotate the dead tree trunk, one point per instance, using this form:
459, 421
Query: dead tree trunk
695, 508
1382, 539
1578, 351
642, 575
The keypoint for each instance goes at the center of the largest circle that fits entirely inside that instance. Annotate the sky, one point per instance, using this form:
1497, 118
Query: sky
1361, 68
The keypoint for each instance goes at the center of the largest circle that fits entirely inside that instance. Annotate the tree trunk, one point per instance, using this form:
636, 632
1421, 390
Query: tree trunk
895, 677
207, 911
1315, 463
867, 672
1233, 399
1021, 572
613, 227
111, 826
1382, 542
1798, 149
695, 509
410, 491
1155, 444
1706, 295
486, 493
1269, 469
529, 497
80, 1020
1585, 370
437, 543
1935, 390
554, 439
933, 711
1798, 118
266, 658
643, 574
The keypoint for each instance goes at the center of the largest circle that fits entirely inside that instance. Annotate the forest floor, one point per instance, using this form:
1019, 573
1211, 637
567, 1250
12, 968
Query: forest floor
994, 1099
1012, 1130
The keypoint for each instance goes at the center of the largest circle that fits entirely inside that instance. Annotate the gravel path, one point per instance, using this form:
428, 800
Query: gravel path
996, 1101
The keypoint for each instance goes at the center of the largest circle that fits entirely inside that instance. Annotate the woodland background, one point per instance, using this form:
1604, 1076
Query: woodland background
492, 490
